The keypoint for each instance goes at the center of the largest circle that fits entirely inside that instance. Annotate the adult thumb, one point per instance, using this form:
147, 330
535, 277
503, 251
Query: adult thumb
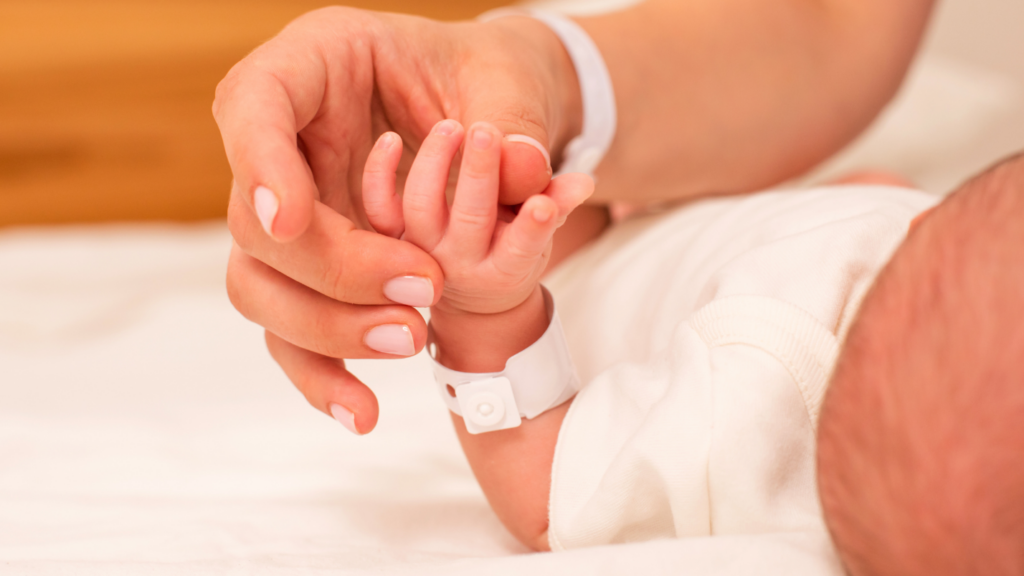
525, 160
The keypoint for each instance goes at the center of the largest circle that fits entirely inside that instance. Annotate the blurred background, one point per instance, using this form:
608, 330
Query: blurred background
105, 104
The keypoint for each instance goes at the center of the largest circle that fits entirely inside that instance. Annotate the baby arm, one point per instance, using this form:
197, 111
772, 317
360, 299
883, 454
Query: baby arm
492, 306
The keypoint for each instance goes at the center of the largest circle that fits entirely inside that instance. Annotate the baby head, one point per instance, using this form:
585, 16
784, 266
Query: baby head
921, 439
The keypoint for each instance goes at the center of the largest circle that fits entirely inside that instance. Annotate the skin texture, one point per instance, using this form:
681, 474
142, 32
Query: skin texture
714, 96
299, 115
492, 307
923, 426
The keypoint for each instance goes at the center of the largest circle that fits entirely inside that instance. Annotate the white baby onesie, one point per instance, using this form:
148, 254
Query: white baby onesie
705, 338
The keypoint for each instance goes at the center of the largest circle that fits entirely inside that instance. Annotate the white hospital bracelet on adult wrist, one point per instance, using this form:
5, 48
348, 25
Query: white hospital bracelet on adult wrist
584, 152
534, 381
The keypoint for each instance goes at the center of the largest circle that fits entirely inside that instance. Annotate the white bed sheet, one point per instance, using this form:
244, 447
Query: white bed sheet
145, 430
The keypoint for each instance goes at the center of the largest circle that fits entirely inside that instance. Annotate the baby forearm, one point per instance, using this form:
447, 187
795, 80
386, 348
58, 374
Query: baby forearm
512, 466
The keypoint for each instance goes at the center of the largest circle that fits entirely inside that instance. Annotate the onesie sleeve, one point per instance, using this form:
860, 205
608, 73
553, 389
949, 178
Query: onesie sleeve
714, 435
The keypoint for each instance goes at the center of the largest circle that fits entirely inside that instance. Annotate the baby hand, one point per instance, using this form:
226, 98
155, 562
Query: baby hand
492, 260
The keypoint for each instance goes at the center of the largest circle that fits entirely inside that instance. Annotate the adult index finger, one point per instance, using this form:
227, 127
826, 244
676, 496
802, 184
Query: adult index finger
260, 107
342, 262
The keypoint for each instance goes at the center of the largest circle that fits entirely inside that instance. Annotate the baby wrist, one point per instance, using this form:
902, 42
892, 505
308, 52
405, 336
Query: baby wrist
524, 384
475, 342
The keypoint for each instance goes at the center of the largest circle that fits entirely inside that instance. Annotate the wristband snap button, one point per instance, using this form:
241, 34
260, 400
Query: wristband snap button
488, 405
485, 409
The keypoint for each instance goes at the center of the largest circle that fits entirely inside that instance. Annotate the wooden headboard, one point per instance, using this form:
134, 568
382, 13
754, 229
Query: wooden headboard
105, 105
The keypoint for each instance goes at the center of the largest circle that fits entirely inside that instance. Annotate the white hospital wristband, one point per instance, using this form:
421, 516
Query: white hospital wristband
533, 382
584, 152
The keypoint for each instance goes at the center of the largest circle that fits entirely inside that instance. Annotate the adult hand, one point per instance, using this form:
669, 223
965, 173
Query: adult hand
298, 117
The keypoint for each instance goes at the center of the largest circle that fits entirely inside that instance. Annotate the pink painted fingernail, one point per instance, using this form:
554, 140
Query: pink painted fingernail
523, 139
266, 205
446, 127
345, 417
482, 138
410, 290
391, 339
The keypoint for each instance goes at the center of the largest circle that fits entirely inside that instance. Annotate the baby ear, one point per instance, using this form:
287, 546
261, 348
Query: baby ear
381, 201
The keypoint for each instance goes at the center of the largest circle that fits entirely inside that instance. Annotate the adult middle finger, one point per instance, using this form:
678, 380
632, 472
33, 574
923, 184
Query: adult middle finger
314, 322
340, 261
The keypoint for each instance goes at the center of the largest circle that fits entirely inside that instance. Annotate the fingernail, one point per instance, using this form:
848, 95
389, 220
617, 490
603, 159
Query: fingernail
542, 214
482, 138
522, 139
345, 417
445, 127
391, 339
410, 290
386, 140
266, 204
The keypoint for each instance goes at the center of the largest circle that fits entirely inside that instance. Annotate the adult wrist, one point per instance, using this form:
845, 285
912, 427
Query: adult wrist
565, 105
596, 94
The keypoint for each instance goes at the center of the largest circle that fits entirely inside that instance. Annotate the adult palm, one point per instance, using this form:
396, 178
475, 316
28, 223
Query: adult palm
298, 117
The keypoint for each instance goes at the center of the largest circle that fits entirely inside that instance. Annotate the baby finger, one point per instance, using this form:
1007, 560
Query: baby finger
426, 207
568, 191
381, 202
475, 208
522, 245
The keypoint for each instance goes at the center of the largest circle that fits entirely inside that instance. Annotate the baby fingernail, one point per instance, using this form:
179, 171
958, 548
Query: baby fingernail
445, 127
266, 205
345, 417
482, 138
543, 214
386, 140
391, 339
523, 139
410, 290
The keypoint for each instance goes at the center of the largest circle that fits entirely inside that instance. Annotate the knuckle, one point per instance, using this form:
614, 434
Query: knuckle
478, 168
376, 209
419, 203
222, 92
230, 85
519, 119
520, 251
473, 216
334, 277
234, 289
241, 228
325, 334
375, 168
